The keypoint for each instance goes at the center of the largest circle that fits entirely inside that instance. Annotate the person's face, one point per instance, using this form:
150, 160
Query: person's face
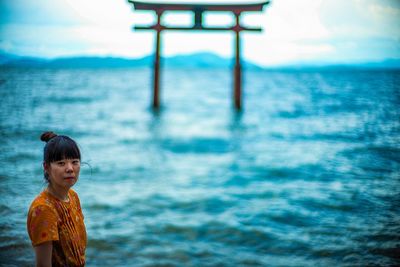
63, 173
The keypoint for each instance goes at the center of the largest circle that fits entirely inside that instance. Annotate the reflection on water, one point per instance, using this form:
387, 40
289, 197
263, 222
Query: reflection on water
307, 175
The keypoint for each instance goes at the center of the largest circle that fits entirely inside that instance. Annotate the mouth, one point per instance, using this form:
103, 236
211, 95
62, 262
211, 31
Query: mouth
69, 178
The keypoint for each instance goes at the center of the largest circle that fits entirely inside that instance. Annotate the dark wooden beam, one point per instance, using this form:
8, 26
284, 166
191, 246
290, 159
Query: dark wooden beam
139, 5
195, 27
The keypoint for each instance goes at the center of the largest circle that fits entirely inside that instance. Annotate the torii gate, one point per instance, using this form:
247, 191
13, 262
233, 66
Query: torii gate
198, 10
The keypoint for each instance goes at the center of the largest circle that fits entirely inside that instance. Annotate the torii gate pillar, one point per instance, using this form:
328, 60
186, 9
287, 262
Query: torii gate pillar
238, 68
198, 10
156, 78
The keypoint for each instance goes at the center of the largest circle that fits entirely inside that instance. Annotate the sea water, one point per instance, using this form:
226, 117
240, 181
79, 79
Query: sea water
308, 174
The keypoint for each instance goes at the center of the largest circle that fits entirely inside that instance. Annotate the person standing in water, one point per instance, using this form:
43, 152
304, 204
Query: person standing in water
55, 220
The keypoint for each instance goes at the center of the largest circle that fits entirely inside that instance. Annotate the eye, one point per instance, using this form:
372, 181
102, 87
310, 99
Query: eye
76, 162
60, 163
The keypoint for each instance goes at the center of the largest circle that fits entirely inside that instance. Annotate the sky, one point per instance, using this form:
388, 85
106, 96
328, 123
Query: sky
294, 31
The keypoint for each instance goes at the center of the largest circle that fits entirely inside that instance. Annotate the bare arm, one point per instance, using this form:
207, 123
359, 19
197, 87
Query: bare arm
43, 254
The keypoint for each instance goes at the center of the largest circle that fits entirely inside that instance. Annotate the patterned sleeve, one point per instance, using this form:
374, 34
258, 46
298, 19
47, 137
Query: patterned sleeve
42, 225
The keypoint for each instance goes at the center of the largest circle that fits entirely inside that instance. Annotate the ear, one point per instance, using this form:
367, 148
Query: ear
45, 166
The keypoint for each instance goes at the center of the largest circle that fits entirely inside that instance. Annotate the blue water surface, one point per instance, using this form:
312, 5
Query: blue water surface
307, 175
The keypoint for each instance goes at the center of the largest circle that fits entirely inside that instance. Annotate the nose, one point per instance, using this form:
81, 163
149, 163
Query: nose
68, 167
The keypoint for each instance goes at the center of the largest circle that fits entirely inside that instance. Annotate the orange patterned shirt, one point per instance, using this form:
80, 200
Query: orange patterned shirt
50, 219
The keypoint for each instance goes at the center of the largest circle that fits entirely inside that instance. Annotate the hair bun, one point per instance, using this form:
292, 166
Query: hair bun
46, 136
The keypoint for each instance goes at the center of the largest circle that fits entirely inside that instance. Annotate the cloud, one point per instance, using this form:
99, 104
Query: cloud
316, 30
38, 12
353, 19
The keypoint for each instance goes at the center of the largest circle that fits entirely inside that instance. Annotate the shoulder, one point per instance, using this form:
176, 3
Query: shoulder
75, 202
43, 199
72, 194
42, 204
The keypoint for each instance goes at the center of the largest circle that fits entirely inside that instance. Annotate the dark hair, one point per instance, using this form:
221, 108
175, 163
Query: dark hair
58, 147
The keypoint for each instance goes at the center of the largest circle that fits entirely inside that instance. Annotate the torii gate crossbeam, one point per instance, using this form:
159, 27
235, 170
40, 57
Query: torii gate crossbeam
198, 10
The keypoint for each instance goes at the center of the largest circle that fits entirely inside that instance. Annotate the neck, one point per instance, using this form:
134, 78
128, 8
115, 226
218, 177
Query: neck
59, 193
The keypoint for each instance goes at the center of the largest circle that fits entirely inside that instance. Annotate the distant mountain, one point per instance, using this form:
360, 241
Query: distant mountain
389, 64
199, 60
72, 62
204, 60
4, 58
